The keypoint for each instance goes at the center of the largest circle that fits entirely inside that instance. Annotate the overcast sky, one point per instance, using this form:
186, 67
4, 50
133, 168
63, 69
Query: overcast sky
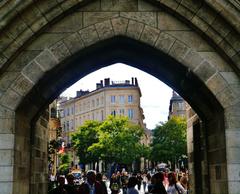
155, 94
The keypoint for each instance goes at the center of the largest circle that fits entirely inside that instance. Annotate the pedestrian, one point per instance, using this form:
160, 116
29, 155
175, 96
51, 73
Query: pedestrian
124, 181
60, 189
145, 180
114, 184
174, 187
99, 178
90, 186
157, 186
132, 182
139, 178
70, 186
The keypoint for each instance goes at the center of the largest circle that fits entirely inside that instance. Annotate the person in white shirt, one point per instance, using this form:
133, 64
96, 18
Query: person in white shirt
174, 187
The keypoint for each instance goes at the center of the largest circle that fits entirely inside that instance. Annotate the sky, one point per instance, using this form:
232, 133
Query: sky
155, 94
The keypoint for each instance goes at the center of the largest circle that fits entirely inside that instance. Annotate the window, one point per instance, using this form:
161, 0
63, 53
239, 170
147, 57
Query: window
102, 117
113, 99
93, 103
113, 113
121, 99
72, 110
121, 111
97, 101
130, 98
67, 128
130, 113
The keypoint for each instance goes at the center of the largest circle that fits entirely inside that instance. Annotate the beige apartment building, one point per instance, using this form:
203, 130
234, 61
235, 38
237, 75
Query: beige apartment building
109, 98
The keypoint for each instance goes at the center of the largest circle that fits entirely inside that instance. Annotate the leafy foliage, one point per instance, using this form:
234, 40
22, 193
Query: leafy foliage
64, 166
113, 140
169, 140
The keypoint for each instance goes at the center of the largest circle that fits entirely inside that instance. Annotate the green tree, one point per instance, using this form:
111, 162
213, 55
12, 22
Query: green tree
114, 140
64, 163
169, 140
86, 135
119, 141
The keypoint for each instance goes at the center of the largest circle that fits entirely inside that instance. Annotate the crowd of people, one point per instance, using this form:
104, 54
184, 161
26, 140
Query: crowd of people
93, 183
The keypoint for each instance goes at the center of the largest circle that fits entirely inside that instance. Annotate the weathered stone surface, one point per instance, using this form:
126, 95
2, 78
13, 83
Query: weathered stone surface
145, 6
90, 18
94, 6
46, 40
68, 4
73, 42
123, 5
230, 77
216, 83
6, 113
149, 18
10, 99
179, 50
120, 25
169, 22
202, 25
232, 122
7, 79
227, 48
192, 59
13, 47
192, 5
30, 16
3, 60
56, 11
6, 157
227, 97
165, 42
32, 71
216, 60
5, 41
134, 29
38, 24
233, 39
150, 35
232, 138
17, 27
220, 26
22, 85
89, 35
191, 39
233, 186
185, 12
205, 71
7, 125
104, 29
233, 155
6, 141
72, 23
21, 39
6, 187
46, 60
60, 51
171, 3
207, 14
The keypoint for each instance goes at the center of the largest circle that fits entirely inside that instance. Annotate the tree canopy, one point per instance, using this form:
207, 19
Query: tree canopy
169, 140
114, 140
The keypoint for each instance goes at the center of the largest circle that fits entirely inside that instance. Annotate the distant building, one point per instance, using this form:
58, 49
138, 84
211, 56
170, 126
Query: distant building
177, 106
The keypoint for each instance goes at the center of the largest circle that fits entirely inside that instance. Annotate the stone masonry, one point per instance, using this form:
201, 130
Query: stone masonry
194, 46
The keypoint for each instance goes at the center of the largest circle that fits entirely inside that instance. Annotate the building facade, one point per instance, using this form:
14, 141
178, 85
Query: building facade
177, 106
115, 98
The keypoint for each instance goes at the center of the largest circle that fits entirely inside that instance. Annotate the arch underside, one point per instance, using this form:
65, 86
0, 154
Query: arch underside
196, 52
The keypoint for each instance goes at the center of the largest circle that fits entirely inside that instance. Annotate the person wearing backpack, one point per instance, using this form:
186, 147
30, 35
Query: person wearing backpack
174, 187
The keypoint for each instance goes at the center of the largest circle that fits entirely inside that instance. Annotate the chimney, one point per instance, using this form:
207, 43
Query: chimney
132, 81
136, 82
98, 85
107, 81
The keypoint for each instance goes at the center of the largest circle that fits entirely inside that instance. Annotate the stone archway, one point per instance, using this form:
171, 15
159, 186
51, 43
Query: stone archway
205, 73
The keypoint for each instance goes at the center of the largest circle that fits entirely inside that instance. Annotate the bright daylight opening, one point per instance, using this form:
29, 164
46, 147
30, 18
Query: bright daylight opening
144, 134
